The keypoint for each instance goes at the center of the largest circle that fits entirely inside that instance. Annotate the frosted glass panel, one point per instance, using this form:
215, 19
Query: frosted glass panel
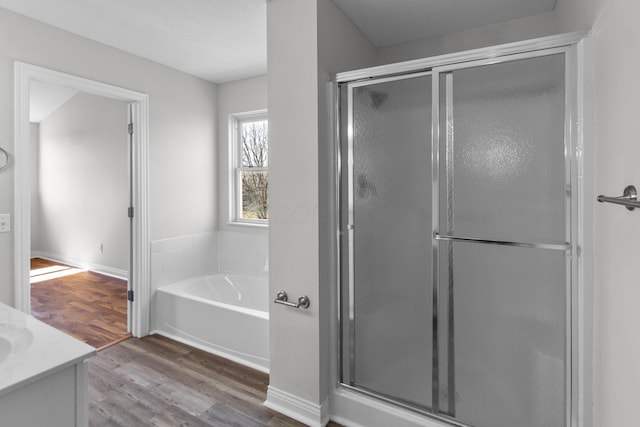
391, 241
507, 333
500, 354
507, 143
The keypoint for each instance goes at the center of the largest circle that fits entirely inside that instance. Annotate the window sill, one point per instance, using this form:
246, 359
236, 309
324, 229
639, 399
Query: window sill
249, 224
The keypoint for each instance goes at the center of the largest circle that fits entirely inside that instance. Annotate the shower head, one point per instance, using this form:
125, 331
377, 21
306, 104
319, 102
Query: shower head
377, 99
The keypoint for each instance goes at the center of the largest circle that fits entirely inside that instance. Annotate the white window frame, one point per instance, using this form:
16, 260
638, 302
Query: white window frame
235, 167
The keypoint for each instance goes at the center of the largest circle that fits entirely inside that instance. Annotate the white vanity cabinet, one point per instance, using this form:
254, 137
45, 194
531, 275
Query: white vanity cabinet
43, 374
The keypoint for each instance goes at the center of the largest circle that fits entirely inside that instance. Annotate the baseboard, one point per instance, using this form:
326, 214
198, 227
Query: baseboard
97, 268
211, 350
299, 409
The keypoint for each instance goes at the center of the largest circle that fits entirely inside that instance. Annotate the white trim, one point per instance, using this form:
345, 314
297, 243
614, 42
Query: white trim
212, 350
73, 262
249, 224
22, 213
234, 189
23, 75
140, 280
299, 409
470, 55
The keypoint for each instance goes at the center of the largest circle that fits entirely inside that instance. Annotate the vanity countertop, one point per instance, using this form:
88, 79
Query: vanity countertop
31, 350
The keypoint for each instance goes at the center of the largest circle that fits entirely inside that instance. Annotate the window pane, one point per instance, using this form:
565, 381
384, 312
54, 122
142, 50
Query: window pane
254, 194
254, 144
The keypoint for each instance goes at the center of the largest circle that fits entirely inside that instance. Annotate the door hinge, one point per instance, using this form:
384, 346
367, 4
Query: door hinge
130, 212
130, 296
130, 128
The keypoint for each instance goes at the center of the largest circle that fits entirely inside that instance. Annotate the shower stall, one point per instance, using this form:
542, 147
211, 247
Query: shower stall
458, 188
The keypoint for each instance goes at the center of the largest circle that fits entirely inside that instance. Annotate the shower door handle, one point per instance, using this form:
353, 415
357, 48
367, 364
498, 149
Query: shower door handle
557, 247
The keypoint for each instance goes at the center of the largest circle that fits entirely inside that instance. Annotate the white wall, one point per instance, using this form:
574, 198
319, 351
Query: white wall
293, 194
568, 16
235, 97
307, 42
182, 126
35, 185
84, 183
616, 37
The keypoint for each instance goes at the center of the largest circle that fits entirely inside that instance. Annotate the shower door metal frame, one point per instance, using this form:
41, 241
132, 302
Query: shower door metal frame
575, 48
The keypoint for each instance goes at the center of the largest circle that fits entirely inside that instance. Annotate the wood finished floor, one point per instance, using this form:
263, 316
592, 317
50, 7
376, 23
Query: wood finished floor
155, 381
86, 305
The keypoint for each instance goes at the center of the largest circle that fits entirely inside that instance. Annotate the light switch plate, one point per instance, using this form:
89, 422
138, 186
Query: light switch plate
5, 223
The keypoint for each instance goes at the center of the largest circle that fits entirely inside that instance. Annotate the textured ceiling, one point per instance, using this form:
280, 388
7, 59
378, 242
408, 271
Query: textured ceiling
225, 40
217, 40
387, 22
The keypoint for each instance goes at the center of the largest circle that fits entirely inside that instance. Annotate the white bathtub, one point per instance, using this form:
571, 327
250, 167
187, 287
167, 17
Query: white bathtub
224, 314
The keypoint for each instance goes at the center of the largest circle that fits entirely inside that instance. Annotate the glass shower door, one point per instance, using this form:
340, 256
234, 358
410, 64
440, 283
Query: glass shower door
456, 240
503, 258
387, 307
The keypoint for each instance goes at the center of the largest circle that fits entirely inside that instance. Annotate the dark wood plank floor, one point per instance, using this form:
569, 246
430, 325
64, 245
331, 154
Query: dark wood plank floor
87, 305
155, 381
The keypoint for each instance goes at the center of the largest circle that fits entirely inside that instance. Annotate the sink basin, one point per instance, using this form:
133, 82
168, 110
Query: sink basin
13, 340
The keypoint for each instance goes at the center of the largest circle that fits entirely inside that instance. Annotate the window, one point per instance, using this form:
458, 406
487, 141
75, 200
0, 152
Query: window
250, 161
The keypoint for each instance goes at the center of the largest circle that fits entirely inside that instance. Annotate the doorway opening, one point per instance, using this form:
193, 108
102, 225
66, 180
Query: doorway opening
137, 270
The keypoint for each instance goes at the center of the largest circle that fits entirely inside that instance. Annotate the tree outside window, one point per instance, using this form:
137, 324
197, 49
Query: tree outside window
251, 171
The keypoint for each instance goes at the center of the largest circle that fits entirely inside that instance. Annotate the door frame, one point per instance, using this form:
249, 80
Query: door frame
353, 406
139, 277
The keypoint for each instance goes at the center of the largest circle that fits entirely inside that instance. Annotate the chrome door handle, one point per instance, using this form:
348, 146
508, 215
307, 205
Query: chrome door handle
629, 198
283, 298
